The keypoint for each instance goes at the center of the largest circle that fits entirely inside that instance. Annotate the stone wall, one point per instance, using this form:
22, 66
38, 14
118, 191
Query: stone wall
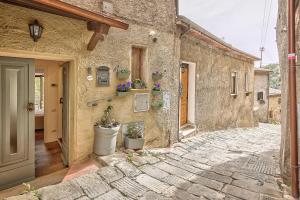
282, 42
275, 108
68, 38
216, 108
261, 84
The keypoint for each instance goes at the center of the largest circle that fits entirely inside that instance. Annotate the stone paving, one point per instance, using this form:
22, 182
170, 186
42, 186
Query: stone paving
231, 165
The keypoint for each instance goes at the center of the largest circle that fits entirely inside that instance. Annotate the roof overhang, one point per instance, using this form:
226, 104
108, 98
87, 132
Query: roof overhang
100, 23
197, 31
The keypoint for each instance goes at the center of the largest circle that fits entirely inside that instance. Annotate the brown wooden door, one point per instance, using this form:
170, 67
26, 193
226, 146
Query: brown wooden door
184, 94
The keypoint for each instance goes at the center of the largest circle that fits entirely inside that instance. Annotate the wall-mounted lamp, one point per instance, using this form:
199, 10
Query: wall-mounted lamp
35, 30
153, 35
89, 74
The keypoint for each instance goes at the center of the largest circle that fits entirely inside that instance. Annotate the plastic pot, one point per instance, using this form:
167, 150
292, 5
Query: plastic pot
105, 140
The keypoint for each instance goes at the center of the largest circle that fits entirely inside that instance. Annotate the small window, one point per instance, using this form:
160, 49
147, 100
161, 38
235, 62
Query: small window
260, 96
137, 63
234, 83
279, 100
39, 92
246, 83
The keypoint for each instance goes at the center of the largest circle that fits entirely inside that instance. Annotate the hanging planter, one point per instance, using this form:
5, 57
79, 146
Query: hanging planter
157, 104
122, 94
156, 90
157, 76
123, 73
123, 89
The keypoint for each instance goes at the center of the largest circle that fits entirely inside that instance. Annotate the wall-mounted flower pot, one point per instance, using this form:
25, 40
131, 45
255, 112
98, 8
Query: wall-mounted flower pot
157, 105
156, 92
156, 77
134, 144
122, 94
123, 75
105, 140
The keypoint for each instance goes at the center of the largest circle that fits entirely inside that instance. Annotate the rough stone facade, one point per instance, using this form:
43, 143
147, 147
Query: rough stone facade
67, 38
282, 42
274, 106
216, 108
261, 85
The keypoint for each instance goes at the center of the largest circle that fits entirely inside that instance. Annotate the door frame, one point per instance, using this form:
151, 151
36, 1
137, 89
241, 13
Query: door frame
72, 92
191, 93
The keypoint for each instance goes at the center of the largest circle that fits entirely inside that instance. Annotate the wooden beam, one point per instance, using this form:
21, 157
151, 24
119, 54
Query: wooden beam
99, 31
94, 40
64, 9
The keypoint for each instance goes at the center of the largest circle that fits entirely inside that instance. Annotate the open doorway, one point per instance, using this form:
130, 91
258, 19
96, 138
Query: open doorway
49, 117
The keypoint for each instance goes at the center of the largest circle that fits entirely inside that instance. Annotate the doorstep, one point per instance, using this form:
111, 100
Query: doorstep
76, 170
187, 130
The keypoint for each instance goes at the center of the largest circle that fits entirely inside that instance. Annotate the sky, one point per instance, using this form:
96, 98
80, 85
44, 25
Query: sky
238, 22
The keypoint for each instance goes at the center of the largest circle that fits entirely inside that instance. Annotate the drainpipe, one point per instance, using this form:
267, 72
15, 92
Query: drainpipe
293, 99
177, 7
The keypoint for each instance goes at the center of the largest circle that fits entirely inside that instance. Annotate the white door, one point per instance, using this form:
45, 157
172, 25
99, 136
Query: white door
16, 121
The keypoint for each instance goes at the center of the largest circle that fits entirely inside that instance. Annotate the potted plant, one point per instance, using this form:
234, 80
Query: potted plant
138, 84
106, 131
134, 137
156, 76
156, 90
157, 104
123, 73
123, 89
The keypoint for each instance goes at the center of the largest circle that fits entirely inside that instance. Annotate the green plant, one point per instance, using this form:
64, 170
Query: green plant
134, 131
129, 157
106, 120
156, 87
29, 189
138, 84
157, 104
123, 70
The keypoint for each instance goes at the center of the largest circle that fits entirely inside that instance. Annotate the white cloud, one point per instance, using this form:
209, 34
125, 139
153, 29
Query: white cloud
239, 21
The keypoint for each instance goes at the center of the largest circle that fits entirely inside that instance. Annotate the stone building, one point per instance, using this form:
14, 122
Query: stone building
220, 80
282, 43
274, 105
74, 65
261, 94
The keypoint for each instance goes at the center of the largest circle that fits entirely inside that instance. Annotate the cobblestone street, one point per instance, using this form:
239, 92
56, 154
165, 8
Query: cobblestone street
231, 164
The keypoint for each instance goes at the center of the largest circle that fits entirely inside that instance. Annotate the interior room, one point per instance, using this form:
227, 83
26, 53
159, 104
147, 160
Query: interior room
48, 117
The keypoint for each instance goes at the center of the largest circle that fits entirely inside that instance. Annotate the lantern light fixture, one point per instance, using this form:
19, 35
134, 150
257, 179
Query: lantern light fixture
35, 30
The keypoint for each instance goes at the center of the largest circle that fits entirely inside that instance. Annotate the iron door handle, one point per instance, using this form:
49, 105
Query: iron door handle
30, 107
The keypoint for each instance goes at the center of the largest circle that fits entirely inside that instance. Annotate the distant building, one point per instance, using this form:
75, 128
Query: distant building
274, 105
261, 94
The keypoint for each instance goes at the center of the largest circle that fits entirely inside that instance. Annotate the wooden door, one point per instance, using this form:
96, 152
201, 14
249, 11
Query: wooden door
184, 94
65, 114
16, 121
